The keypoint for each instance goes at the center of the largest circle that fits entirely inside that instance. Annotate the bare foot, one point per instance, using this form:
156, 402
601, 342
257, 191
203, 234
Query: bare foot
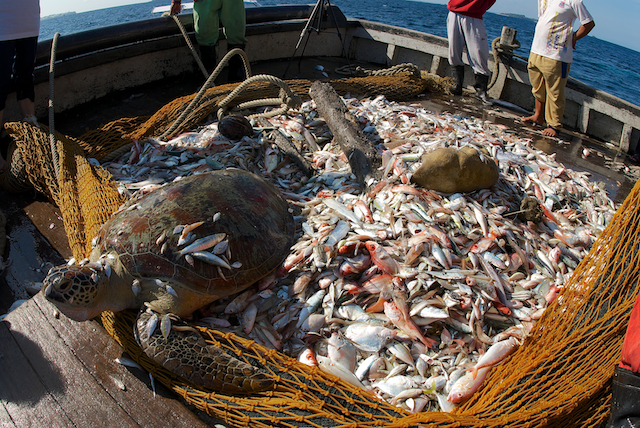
532, 120
549, 132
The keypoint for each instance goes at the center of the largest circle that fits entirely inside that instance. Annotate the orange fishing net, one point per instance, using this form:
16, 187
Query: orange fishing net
559, 377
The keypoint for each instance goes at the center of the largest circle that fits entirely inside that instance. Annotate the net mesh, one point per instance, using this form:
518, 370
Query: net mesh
560, 376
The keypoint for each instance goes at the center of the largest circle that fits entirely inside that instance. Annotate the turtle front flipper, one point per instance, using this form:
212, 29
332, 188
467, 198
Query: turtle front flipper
185, 353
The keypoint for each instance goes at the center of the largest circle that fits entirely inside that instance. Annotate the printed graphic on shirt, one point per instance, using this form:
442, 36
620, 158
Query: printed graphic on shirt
544, 4
559, 32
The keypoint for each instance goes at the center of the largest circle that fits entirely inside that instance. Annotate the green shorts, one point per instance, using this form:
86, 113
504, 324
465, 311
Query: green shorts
209, 14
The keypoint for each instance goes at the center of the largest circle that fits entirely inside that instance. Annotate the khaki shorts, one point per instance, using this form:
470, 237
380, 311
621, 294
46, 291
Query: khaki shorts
548, 79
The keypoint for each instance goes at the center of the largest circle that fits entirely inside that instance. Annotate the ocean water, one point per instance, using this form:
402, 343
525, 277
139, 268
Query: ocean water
598, 63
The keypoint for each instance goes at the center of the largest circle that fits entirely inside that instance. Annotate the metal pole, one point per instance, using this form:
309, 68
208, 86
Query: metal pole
304, 32
342, 42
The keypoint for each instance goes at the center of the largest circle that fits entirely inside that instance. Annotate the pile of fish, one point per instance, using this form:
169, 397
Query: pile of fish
408, 293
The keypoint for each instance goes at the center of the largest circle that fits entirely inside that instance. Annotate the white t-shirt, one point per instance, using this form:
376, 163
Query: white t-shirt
554, 31
19, 19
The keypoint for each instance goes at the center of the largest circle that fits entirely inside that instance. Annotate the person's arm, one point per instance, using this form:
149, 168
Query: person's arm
583, 31
175, 7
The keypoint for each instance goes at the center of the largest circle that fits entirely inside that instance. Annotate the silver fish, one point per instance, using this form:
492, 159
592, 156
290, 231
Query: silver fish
210, 258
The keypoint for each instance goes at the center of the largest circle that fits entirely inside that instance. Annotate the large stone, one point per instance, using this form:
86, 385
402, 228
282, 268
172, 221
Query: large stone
450, 170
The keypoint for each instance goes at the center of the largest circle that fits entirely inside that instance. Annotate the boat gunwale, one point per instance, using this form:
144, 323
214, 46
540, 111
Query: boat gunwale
616, 120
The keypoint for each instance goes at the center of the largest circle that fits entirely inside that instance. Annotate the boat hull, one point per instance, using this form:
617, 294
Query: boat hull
95, 63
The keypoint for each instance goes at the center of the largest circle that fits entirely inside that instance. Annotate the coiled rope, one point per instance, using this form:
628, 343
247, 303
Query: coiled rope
115, 154
502, 49
209, 83
287, 98
52, 135
357, 71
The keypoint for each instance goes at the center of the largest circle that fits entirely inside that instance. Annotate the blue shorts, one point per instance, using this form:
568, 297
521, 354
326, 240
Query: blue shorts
17, 61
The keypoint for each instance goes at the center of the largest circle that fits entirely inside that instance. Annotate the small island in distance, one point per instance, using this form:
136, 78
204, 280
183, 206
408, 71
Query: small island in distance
516, 15
56, 15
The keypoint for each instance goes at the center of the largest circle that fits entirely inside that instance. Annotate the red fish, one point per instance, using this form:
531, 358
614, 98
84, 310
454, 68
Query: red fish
355, 265
377, 284
495, 354
382, 259
406, 324
393, 301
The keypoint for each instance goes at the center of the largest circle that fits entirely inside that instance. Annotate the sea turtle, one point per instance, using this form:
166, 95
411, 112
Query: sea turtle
158, 253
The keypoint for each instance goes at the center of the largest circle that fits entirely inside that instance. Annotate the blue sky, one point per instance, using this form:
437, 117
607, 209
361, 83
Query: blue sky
617, 21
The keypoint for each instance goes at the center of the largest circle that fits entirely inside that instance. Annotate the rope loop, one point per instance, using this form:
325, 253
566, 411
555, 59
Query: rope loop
210, 82
287, 98
115, 154
502, 49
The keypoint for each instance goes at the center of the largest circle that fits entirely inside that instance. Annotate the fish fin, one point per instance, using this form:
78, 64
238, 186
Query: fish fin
474, 372
378, 306
430, 343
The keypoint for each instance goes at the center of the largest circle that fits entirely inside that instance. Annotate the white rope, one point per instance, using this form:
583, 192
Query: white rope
191, 47
288, 99
356, 70
210, 82
52, 135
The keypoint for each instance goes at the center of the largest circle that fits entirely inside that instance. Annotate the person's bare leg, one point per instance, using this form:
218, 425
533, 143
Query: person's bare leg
27, 108
538, 115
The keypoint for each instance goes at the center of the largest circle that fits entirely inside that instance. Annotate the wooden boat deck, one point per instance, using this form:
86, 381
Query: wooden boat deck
55, 371
64, 372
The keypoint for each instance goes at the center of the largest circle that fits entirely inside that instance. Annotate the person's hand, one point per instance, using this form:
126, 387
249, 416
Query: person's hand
175, 8
574, 39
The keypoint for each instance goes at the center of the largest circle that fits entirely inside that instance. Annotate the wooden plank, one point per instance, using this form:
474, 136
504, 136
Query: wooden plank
74, 363
29, 254
5, 418
97, 351
46, 218
362, 154
25, 400
81, 399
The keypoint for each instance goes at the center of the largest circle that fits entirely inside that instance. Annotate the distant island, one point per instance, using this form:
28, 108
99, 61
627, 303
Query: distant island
56, 15
516, 15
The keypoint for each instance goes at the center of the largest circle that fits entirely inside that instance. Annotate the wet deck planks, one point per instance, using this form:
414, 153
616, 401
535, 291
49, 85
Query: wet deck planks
61, 373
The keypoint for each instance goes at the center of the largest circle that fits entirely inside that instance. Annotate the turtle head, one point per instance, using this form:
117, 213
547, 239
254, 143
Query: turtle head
76, 289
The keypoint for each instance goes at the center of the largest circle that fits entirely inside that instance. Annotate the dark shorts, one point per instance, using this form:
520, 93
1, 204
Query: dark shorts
17, 60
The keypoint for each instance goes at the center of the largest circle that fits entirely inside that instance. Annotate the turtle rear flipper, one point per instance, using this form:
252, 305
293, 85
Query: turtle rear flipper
186, 354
